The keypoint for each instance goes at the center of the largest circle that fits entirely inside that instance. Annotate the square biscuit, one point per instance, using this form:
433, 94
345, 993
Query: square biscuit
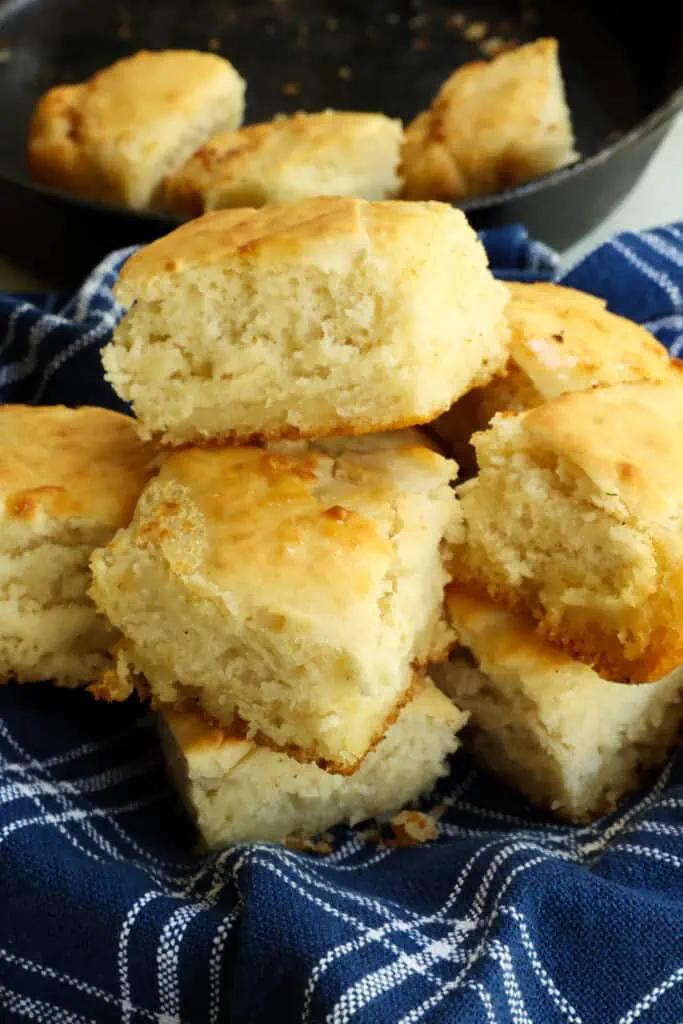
333, 153
115, 137
326, 316
547, 725
493, 124
575, 518
561, 340
69, 478
238, 791
294, 592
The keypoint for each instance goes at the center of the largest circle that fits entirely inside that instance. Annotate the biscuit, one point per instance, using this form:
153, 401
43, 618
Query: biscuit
115, 137
69, 478
575, 517
238, 791
327, 316
561, 340
493, 124
294, 592
547, 725
332, 153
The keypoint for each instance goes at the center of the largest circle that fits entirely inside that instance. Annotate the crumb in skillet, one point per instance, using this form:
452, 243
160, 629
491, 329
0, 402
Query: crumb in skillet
456, 20
475, 31
494, 45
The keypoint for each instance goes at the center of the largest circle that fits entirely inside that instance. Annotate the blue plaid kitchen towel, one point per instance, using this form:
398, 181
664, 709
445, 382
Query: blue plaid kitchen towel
108, 914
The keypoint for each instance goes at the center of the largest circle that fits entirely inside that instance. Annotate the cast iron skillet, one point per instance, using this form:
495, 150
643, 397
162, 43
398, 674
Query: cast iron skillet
623, 68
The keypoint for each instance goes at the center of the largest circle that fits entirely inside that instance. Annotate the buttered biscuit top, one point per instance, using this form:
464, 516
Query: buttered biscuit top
60, 464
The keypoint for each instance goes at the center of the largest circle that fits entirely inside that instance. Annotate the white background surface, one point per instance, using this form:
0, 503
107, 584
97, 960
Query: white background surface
656, 199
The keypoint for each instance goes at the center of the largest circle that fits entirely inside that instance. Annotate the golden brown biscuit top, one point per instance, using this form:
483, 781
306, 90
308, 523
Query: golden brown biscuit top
84, 463
525, 70
486, 107
142, 90
564, 340
498, 86
626, 439
327, 230
310, 531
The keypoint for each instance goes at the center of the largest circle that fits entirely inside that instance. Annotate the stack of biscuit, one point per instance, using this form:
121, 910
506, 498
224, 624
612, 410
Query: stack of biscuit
568, 585
280, 588
278, 559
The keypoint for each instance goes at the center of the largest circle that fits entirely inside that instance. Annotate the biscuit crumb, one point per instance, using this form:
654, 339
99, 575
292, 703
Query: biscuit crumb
421, 45
456, 20
494, 45
411, 828
291, 89
475, 31
332, 24
214, 43
345, 73
110, 688
302, 35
